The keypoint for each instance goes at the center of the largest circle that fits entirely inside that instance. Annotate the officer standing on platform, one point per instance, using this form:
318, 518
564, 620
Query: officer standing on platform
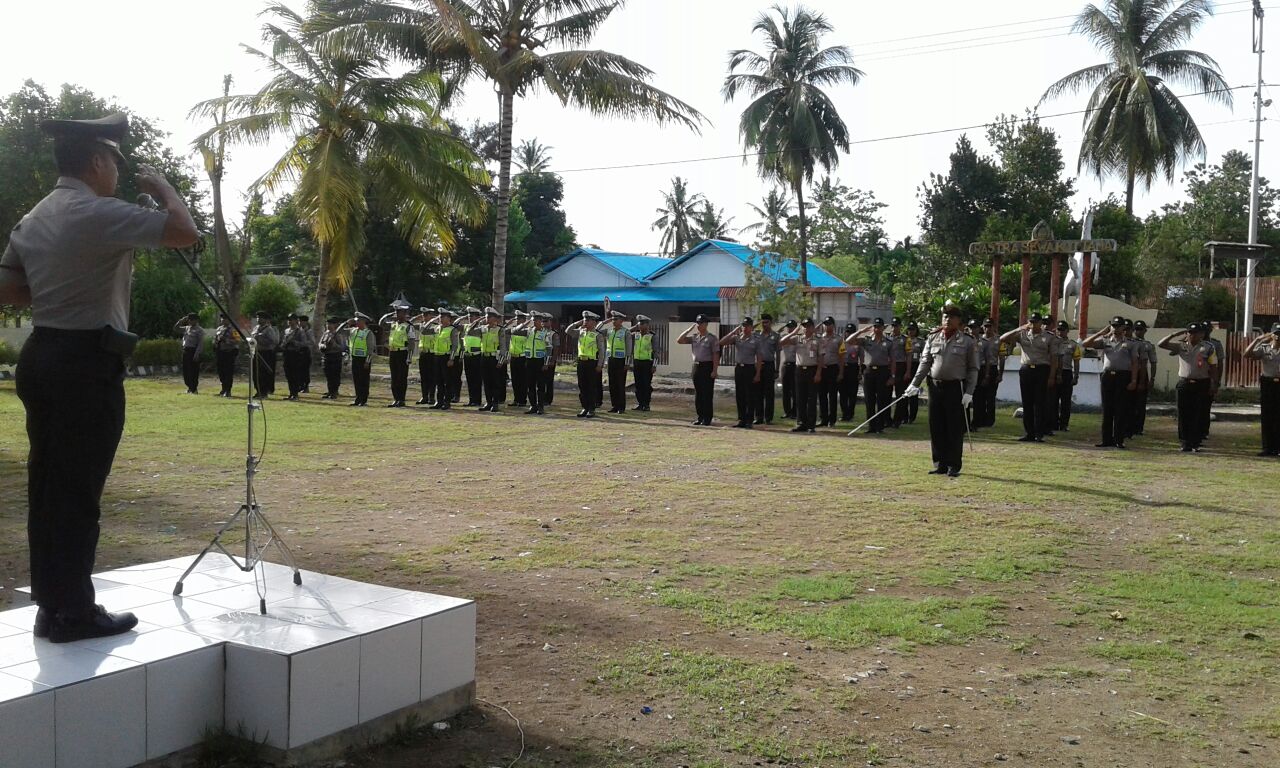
70, 260
788, 355
949, 362
748, 364
426, 354
1036, 376
226, 348
192, 345
706, 360
1266, 348
517, 338
1069, 354
473, 357
807, 348
765, 394
291, 346
1146, 379
591, 355
447, 348
877, 378
642, 359
1120, 366
333, 349
266, 338
361, 343
902, 372
851, 375
619, 345
1197, 371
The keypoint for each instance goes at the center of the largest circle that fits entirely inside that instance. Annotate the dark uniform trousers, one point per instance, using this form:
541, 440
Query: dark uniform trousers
765, 394
454, 379
1033, 380
644, 382
1270, 391
191, 368
1193, 411
531, 369
1115, 406
901, 411
443, 380
293, 370
502, 384
744, 392
427, 376
587, 378
1062, 398
849, 391
1138, 419
989, 392
360, 378
618, 382
829, 393
226, 364
494, 380
519, 381
704, 391
788, 390
266, 376
304, 367
333, 373
806, 396
73, 392
946, 423
877, 391
473, 366
548, 382
399, 362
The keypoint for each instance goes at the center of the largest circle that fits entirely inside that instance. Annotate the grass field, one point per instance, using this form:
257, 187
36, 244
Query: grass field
763, 596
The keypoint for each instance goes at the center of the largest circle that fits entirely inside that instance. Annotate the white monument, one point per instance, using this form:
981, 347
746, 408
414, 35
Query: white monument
1075, 273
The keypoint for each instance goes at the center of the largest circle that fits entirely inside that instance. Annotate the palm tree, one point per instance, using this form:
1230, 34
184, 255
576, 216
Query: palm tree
676, 218
1135, 126
508, 42
775, 219
792, 125
351, 128
533, 157
710, 223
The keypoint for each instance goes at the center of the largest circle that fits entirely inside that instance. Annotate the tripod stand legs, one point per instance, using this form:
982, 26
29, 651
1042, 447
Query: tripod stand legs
251, 516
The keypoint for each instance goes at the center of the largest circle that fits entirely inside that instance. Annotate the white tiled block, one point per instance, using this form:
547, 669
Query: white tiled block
70, 664
324, 691
152, 646
102, 722
177, 611
184, 700
257, 695
448, 650
390, 664
142, 574
419, 604
9, 631
26, 724
22, 618
233, 625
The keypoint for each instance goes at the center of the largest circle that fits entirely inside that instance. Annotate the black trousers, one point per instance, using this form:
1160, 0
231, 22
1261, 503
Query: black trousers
266, 376
1138, 418
453, 375
226, 363
1062, 398
1270, 390
305, 367
494, 377
548, 385
765, 394
946, 424
588, 377
849, 391
519, 382
427, 376
443, 379
744, 392
878, 392
806, 396
1193, 411
333, 373
990, 390
191, 368
502, 384
73, 393
473, 367
618, 383
644, 382
1034, 383
901, 411
704, 392
293, 370
1115, 406
788, 390
360, 378
531, 369
829, 394
399, 362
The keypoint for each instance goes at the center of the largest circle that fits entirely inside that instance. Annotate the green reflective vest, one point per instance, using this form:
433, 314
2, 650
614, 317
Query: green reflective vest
444, 340
471, 343
399, 337
489, 340
643, 347
359, 344
515, 346
427, 342
618, 343
588, 346
539, 344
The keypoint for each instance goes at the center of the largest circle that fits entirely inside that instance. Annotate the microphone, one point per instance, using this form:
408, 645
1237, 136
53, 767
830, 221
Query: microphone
147, 201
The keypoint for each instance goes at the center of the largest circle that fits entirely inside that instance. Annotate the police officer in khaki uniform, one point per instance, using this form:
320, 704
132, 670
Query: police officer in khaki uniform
748, 364
1069, 354
70, 260
851, 375
226, 348
591, 357
192, 345
989, 377
1120, 366
878, 372
706, 359
949, 361
902, 372
1266, 348
266, 340
808, 373
1146, 379
1037, 375
517, 337
1197, 371
291, 345
829, 343
768, 340
333, 350
788, 356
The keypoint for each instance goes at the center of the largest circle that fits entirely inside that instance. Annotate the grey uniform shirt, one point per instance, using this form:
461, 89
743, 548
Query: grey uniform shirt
746, 351
953, 359
703, 347
788, 354
879, 352
829, 350
988, 352
1037, 348
1118, 354
192, 336
769, 346
1193, 360
1067, 353
333, 343
1270, 357
1148, 353
267, 337
899, 352
75, 252
224, 339
807, 351
295, 339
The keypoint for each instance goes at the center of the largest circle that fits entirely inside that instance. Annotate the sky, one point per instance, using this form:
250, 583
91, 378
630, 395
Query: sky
929, 65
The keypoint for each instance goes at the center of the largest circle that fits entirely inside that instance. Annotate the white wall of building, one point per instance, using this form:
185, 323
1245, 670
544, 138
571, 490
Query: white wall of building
711, 266
585, 272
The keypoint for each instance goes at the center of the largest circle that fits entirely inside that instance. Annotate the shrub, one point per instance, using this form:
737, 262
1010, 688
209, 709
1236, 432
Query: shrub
272, 295
8, 355
158, 352
163, 292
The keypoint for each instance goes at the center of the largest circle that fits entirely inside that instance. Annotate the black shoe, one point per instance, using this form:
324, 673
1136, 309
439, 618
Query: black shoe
352, 405
758, 421
1105, 445
471, 405
747, 425
532, 411
421, 401
938, 471
590, 415
800, 429
493, 409
96, 623
1121, 446
637, 407
953, 473
41, 626
696, 423
582, 414
444, 407
1026, 439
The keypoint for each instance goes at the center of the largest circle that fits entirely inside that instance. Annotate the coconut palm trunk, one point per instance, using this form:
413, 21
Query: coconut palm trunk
505, 127
323, 278
797, 186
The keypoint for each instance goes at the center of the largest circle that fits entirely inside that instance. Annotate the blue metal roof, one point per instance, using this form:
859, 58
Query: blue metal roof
777, 268
698, 295
630, 265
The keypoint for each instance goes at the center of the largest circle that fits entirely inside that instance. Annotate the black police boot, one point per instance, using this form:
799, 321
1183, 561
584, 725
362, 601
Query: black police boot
96, 622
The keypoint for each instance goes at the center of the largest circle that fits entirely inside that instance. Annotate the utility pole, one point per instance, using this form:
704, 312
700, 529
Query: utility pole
1251, 267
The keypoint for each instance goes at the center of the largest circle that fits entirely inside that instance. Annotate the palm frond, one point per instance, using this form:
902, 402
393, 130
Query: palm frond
1088, 77
577, 28
608, 84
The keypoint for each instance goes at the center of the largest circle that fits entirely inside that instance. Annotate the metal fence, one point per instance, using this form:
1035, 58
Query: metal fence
1238, 370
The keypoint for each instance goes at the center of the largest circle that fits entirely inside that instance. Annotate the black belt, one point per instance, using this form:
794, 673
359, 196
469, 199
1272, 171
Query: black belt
806, 367
586, 359
746, 365
42, 332
1032, 366
1115, 372
1193, 381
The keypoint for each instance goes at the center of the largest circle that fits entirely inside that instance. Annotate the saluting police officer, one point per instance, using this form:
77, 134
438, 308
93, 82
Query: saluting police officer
1221, 352
192, 344
517, 339
266, 339
308, 344
492, 335
706, 360
1266, 348
642, 359
70, 260
591, 356
426, 354
768, 340
949, 361
914, 348
291, 345
473, 356
333, 350
746, 370
1036, 376
788, 355
361, 344
618, 343
850, 374
989, 376
902, 372
1120, 365
829, 343
539, 354
398, 350
877, 378
448, 346
226, 348
1146, 379
1069, 354
1197, 371
808, 352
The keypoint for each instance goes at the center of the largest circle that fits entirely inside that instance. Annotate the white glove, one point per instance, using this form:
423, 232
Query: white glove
966, 399
911, 391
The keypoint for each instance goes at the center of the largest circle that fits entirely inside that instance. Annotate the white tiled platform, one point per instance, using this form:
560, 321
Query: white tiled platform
331, 655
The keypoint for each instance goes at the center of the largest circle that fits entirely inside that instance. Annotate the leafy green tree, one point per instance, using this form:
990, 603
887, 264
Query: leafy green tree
773, 228
971, 291
846, 222
1031, 172
791, 124
710, 223
1135, 126
351, 127
510, 45
163, 292
539, 197
473, 257
677, 218
851, 269
533, 157
272, 295
954, 208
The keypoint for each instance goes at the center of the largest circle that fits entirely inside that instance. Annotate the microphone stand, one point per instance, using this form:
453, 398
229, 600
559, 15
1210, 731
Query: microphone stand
250, 514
